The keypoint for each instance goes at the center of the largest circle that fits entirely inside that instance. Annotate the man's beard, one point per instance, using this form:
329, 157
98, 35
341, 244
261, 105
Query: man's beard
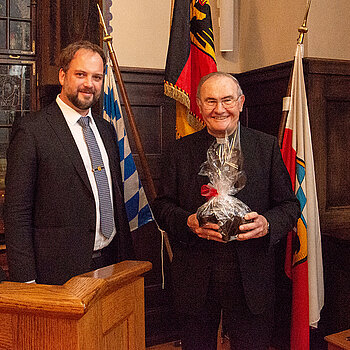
82, 103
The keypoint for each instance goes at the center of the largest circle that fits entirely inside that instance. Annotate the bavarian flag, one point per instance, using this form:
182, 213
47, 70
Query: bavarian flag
304, 254
191, 55
136, 205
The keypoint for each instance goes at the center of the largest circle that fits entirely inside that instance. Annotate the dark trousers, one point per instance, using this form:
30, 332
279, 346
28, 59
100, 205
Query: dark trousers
246, 330
2, 274
101, 259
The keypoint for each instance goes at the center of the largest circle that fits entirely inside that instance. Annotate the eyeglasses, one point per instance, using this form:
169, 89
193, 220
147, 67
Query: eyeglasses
227, 102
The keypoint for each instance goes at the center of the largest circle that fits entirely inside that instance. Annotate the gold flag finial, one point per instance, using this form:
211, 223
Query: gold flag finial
106, 36
303, 29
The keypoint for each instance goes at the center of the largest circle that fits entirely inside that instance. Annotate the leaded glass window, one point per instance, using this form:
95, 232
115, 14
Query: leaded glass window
15, 101
16, 34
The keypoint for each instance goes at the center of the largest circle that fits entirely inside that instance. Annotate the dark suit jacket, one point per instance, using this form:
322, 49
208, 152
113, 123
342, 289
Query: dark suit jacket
50, 214
268, 191
2, 275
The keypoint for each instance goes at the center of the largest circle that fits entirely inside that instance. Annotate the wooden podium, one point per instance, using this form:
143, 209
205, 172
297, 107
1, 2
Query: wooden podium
100, 310
339, 341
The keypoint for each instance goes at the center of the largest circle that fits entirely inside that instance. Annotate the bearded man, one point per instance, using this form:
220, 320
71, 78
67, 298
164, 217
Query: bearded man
64, 210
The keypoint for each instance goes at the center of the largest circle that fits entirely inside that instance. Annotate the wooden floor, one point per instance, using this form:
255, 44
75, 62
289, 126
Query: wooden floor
177, 346
226, 346
167, 346
317, 342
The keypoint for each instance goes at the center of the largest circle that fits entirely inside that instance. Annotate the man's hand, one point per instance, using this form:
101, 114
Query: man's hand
256, 229
209, 231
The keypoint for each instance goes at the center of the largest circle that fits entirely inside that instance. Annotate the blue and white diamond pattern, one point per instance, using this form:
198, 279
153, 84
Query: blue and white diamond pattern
136, 204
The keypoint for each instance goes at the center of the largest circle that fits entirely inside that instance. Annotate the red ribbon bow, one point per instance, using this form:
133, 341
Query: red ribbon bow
208, 191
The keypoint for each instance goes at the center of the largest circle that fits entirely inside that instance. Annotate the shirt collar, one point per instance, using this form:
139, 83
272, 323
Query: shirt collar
71, 115
230, 137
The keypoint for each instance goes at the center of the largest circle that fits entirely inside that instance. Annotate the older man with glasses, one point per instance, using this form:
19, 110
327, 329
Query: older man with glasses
209, 275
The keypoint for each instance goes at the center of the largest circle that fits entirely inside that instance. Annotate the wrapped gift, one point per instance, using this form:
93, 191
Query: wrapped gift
224, 169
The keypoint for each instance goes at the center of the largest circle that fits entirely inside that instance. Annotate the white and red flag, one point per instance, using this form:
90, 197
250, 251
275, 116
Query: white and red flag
304, 255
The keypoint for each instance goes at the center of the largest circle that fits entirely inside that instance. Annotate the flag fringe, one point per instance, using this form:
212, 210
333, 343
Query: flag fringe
195, 122
181, 96
192, 120
176, 93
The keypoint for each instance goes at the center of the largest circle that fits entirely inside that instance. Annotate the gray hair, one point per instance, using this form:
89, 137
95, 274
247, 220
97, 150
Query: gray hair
218, 74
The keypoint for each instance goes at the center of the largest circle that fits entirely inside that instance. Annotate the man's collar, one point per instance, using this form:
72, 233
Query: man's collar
230, 137
72, 116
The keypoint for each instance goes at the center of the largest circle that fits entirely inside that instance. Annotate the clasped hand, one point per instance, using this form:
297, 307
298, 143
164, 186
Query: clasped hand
210, 231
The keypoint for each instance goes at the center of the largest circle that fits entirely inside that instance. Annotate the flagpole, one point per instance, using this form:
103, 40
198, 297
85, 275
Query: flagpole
171, 11
285, 109
144, 164
108, 39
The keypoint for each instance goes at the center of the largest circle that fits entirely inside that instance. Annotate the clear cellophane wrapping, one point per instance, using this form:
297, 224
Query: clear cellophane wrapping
224, 170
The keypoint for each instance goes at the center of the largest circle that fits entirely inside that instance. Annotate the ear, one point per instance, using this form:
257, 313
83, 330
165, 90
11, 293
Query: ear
61, 76
199, 104
241, 102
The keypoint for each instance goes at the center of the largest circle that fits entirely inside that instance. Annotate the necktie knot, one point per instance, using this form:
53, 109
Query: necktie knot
84, 121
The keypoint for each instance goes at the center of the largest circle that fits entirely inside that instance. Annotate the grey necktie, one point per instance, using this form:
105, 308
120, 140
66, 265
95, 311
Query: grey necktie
106, 210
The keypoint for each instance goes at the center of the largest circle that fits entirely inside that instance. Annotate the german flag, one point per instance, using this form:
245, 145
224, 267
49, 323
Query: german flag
191, 55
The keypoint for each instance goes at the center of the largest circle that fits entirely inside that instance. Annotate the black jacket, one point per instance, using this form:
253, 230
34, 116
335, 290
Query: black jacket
268, 191
49, 205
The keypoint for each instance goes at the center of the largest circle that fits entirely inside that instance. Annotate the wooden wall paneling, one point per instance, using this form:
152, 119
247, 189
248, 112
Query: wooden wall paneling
264, 90
155, 118
48, 41
60, 23
154, 115
329, 108
336, 310
81, 21
328, 90
338, 126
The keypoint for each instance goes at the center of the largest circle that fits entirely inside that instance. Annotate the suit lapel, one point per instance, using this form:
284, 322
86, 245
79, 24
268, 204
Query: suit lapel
199, 154
248, 147
56, 119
